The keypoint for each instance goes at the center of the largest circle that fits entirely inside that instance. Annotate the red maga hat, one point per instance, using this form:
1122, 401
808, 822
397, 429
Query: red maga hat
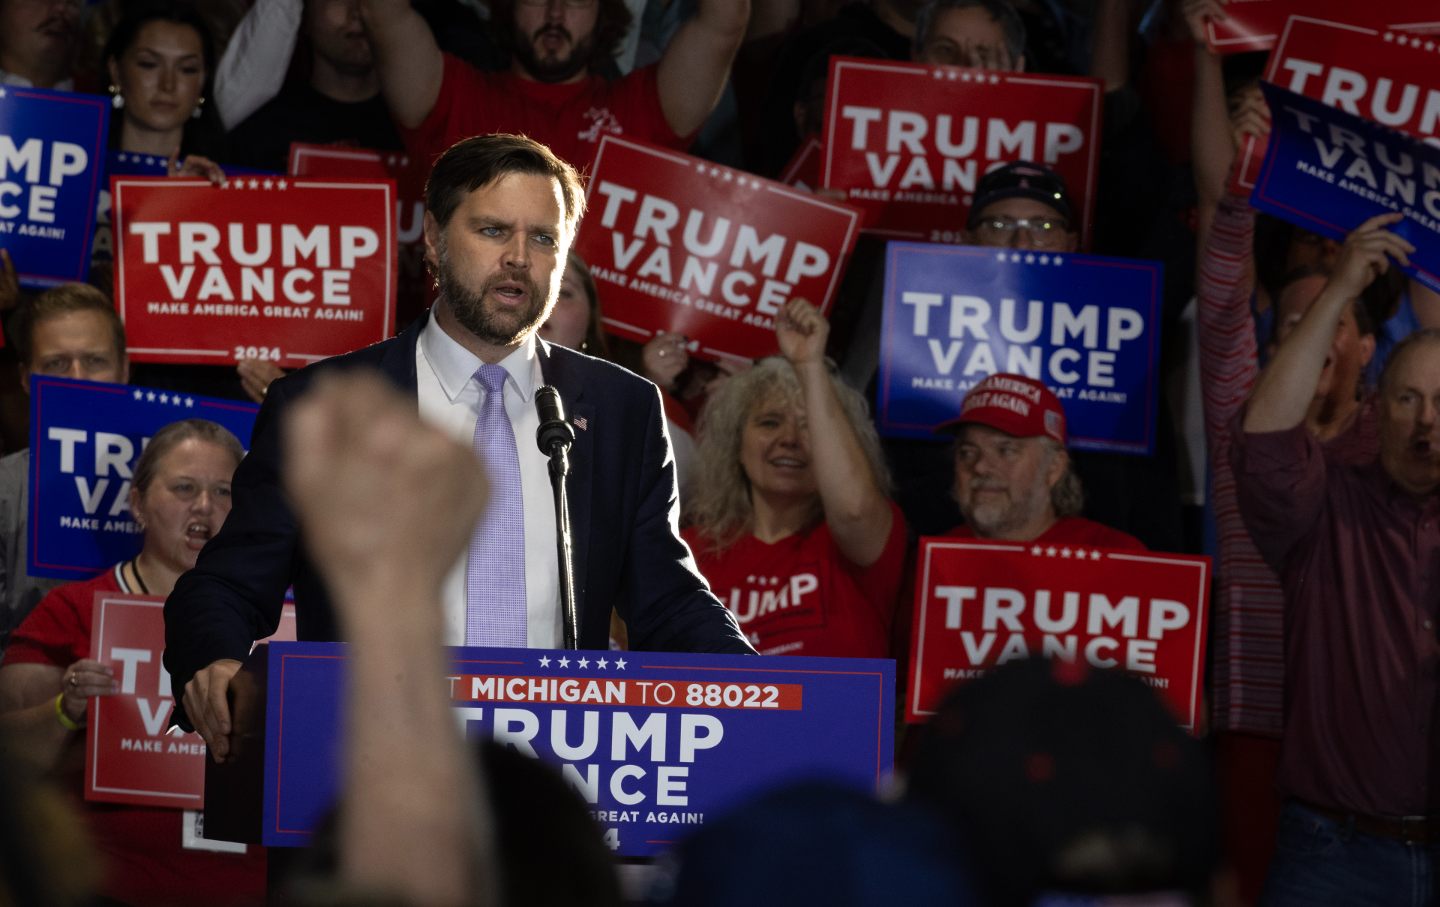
1014, 404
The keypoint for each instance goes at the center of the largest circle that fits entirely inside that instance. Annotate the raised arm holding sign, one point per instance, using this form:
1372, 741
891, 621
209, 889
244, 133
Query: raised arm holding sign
1360, 610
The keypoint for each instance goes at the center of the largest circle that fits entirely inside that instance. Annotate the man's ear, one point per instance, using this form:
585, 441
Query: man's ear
432, 243
25, 379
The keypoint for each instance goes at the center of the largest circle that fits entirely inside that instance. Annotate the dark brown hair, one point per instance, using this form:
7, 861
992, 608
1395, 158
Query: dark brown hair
480, 160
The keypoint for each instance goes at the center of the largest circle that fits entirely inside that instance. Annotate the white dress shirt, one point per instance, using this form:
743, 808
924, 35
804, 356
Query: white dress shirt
450, 398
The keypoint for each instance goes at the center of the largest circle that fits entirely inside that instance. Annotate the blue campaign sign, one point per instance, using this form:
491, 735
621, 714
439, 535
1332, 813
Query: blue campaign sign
51, 166
85, 437
1088, 326
130, 163
120, 163
1329, 171
656, 743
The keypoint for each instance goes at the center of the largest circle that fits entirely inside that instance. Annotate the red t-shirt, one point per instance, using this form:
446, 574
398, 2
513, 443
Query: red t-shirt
145, 862
800, 596
570, 118
1072, 530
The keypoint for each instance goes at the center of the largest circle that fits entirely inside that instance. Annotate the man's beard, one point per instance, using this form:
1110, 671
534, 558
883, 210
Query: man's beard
552, 69
492, 325
997, 517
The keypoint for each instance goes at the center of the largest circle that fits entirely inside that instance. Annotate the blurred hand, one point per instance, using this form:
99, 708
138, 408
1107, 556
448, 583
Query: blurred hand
256, 376
196, 166
386, 502
1366, 255
802, 332
82, 680
1250, 116
1198, 13
664, 358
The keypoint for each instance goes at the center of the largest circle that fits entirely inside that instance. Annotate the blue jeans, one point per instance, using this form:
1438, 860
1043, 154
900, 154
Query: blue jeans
1320, 861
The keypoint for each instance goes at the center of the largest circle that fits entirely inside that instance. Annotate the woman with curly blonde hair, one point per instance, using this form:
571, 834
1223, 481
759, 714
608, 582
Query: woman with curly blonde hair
791, 519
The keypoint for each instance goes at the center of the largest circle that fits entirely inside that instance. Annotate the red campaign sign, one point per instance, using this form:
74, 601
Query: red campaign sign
803, 171
1384, 76
415, 291
1252, 25
335, 161
129, 756
682, 245
979, 604
273, 268
907, 142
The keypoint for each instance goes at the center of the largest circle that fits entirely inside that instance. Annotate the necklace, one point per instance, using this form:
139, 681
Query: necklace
135, 569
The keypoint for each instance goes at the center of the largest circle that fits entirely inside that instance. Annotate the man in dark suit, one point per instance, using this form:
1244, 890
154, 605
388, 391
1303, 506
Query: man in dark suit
501, 212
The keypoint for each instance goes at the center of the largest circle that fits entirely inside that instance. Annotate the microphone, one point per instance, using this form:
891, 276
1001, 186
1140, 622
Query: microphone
555, 437
554, 432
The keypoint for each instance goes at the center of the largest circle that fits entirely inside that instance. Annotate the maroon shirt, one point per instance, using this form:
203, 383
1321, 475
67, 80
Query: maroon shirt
1359, 560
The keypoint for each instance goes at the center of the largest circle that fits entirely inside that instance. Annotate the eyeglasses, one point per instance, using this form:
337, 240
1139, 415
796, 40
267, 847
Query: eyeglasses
1045, 232
568, 4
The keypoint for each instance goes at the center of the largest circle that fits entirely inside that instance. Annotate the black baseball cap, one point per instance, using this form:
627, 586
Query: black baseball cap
1022, 179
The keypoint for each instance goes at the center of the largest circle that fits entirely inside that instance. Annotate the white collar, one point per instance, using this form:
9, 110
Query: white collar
455, 366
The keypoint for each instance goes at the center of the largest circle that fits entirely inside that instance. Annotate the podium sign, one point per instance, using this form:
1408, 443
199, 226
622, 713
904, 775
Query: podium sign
980, 604
656, 743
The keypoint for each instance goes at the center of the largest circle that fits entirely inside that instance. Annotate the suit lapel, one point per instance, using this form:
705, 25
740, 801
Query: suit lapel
398, 361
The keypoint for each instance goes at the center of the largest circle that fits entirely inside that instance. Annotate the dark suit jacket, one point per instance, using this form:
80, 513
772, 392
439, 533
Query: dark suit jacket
623, 507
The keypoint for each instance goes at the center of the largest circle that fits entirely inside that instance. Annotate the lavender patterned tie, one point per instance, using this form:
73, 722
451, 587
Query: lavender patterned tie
495, 570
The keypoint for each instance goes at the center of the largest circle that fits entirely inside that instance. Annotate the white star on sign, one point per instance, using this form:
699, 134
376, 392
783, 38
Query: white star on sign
190, 401
1094, 555
1035, 550
564, 662
2, 92
619, 664
1064, 552
139, 395
1059, 260
282, 184
584, 662
150, 396
269, 184
544, 661
601, 663
254, 183
1050, 551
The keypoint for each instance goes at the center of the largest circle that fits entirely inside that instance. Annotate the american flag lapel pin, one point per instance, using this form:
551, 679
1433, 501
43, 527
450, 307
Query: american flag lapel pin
581, 423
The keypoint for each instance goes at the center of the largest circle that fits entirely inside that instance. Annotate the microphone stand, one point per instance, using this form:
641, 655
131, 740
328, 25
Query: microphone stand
554, 437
